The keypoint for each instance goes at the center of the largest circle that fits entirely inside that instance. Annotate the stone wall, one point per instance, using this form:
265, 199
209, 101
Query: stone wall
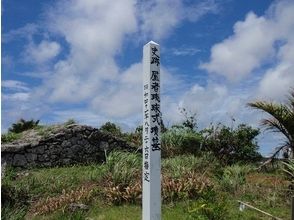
73, 144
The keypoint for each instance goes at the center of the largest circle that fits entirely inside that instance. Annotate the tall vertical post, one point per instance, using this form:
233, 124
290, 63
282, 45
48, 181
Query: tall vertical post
151, 198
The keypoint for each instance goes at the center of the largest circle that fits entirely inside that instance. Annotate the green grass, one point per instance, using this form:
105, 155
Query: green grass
51, 181
265, 191
100, 211
10, 137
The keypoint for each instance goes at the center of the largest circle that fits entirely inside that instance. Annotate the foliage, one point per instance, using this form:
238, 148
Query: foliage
177, 166
232, 145
52, 181
12, 195
188, 186
281, 120
10, 137
190, 121
134, 138
23, 125
177, 141
233, 177
111, 128
11, 213
184, 185
122, 167
289, 171
209, 207
50, 204
70, 122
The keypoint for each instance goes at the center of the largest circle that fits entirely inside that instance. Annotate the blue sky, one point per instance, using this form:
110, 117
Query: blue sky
81, 59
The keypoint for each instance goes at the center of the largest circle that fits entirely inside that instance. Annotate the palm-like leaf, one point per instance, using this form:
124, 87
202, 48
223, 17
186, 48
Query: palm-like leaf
282, 118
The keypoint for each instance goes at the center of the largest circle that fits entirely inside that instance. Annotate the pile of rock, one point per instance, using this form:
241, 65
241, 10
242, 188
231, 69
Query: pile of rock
64, 145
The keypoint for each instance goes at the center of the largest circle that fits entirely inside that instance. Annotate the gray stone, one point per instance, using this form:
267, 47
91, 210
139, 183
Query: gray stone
77, 206
14, 147
31, 157
66, 143
19, 160
63, 146
39, 149
104, 145
66, 161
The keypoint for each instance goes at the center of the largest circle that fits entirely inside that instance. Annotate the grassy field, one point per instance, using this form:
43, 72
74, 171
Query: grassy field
113, 190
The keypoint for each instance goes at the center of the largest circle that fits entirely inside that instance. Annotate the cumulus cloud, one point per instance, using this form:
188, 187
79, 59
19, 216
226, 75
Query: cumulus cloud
277, 82
239, 54
254, 42
95, 32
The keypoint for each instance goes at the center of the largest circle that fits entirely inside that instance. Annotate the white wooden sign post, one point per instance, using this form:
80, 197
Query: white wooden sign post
151, 198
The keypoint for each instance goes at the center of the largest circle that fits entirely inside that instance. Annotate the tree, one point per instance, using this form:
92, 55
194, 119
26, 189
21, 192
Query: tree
281, 120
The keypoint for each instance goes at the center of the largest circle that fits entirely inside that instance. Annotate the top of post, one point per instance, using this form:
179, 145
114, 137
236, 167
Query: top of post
152, 42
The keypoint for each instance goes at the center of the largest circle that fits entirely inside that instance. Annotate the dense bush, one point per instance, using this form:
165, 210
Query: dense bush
111, 128
234, 177
178, 140
232, 145
23, 125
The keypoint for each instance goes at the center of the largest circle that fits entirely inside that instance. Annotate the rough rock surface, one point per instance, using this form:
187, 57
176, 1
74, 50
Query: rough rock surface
62, 145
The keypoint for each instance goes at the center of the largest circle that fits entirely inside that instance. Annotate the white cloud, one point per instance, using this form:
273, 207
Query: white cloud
80, 115
94, 32
253, 42
159, 17
19, 96
277, 82
41, 53
244, 51
15, 85
24, 32
185, 51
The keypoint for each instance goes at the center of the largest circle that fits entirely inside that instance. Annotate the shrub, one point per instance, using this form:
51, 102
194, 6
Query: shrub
70, 122
233, 177
177, 141
23, 125
111, 128
232, 145
190, 121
